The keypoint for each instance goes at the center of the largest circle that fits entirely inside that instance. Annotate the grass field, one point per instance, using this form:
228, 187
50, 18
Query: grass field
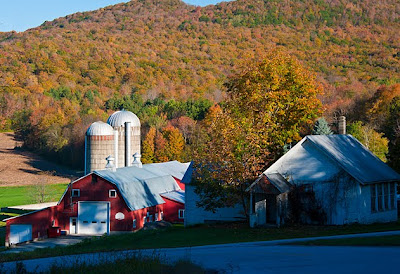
178, 236
367, 241
22, 195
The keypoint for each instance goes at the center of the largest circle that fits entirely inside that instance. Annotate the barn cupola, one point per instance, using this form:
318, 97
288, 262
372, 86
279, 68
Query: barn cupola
136, 160
110, 164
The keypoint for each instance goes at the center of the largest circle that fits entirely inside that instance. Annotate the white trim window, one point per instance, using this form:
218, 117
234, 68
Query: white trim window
383, 197
144, 220
112, 193
181, 214
161, 216
76, 193
134, 223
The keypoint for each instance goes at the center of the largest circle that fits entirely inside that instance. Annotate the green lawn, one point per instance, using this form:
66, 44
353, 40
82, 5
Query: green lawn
178, 236
22, 195
366, 241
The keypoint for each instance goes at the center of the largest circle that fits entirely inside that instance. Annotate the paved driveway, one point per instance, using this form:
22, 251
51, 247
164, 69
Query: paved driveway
45, 243
256, 257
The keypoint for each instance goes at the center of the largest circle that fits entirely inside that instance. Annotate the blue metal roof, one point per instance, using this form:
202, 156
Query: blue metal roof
141, 187
319, 158
354, 158
178, 196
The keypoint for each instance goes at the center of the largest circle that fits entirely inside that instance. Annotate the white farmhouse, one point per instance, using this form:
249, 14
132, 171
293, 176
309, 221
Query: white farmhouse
340, 179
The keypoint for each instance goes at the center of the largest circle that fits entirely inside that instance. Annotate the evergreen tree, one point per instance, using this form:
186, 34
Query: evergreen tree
322, 127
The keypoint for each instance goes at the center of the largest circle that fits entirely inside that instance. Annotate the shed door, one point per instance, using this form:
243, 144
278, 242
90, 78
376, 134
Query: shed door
261, 210
93, 218
20, 233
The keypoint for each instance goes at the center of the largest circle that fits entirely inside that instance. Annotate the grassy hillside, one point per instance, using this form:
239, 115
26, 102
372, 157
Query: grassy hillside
71, 71
23, 195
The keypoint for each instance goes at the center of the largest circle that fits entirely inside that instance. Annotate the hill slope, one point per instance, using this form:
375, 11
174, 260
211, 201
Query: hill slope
65, 71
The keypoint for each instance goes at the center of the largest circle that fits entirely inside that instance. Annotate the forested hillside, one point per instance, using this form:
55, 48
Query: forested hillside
58, 78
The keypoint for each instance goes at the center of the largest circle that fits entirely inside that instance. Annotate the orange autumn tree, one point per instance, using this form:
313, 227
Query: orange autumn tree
269, 103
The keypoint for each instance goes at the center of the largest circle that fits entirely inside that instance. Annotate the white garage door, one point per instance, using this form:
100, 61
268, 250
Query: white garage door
20, 233
93, 218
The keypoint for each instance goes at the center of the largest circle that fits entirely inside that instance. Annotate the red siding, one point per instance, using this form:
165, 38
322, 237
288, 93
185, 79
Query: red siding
181, 185
171, 211
94, 188
40, 221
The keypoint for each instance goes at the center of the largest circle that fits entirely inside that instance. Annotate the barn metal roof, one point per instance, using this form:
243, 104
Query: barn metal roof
141, 187
178, 196
318, 157
173, 168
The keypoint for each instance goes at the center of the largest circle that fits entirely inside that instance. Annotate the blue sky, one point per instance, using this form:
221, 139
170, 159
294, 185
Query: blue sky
20, 15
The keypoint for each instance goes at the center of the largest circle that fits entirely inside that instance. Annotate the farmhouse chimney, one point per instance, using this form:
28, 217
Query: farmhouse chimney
136, 160
110, 164
127, 144
342, 125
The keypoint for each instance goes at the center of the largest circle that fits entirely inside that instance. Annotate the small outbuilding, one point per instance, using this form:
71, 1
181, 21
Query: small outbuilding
329, 179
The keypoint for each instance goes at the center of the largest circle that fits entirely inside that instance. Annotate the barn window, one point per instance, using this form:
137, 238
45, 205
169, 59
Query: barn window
76, 192
144, 220
156, 217
161, 215
181, 214
112, 193
134, 223
150, 218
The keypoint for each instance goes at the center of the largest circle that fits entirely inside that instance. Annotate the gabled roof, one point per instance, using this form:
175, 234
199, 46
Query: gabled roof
276, 179
173, 168
178, 196
141, 187
322, 155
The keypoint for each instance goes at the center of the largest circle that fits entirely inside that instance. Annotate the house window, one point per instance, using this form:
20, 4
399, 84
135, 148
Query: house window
112, 193
373, 198
386, 196
383, 197
181, 214
76, 192
134, 223
380, 197
392, 196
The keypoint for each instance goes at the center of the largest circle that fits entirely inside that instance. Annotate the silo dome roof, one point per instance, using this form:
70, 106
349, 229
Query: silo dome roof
100, 129
118, 119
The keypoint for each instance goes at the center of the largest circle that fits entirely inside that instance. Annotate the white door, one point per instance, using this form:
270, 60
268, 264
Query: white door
73, 225
20, 233
93, 218
261, 211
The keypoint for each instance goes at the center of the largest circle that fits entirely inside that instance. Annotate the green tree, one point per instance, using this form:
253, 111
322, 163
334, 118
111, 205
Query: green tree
321, 127
269, 103
371, 139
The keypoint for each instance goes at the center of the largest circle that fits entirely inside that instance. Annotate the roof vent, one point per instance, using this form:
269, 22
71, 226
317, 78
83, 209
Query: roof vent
342, 125
110, 164
136, 160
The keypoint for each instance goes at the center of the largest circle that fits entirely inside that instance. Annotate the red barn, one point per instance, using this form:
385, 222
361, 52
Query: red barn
107, 201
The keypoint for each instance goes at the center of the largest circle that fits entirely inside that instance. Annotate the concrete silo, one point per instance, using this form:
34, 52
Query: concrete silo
119, 121
99, 144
